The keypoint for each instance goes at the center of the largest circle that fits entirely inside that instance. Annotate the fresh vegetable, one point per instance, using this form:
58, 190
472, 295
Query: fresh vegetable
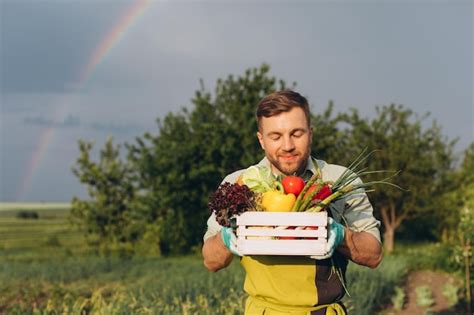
259, 179
323, 191
277, 201
302, 198
346, 185
293, 185
230, 200
258, 189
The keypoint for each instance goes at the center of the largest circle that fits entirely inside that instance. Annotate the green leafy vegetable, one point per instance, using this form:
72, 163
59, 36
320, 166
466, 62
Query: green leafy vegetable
260, 179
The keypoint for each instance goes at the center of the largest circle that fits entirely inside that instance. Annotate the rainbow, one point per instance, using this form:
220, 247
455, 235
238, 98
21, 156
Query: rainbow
101, 51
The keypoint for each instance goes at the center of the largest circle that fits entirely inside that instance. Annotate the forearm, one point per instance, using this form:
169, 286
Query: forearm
362, 248
215, 253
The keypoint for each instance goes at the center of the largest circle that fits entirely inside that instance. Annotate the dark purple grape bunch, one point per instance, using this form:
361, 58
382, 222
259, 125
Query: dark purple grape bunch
230, 200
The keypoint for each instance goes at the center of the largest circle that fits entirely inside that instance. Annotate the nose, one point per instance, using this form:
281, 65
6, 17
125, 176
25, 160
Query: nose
288, 144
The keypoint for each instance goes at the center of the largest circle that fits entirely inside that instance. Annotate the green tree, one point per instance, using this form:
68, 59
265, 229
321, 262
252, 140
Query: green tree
464, 194
330, 141
168, 176
194, 149
110, 218
421, 154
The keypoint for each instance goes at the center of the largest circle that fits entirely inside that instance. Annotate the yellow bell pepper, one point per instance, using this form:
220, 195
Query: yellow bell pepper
277, 201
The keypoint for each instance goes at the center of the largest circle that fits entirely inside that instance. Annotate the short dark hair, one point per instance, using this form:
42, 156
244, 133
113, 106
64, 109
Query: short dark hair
279, 102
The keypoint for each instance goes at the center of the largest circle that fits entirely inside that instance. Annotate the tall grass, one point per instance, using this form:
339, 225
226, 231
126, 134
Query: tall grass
370, 289
179, 285
148, 285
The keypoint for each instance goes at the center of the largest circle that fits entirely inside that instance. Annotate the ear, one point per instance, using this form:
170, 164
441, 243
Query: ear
260, 139
310, 135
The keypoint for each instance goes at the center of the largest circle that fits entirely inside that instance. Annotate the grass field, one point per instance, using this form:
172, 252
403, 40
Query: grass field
46, 267
50, 232
16, 206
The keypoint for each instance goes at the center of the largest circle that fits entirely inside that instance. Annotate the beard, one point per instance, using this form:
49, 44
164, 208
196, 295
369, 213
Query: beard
292, 167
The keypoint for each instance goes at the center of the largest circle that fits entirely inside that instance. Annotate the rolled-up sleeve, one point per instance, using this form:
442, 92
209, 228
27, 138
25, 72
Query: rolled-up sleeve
212, 227
355, 210
358, 212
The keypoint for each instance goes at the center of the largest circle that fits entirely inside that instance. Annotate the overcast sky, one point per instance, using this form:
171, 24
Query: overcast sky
358, 53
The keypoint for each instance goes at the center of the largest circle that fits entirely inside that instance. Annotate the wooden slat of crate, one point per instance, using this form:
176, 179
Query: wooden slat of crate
262, 231
282, 218
255, 229
282, 247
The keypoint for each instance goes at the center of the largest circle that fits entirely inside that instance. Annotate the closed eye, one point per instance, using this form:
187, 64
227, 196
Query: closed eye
298, 133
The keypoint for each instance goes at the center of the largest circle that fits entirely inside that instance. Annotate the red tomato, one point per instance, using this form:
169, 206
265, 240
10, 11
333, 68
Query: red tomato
293, 185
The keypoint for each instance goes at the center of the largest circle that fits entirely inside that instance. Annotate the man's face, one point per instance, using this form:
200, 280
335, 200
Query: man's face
286, 140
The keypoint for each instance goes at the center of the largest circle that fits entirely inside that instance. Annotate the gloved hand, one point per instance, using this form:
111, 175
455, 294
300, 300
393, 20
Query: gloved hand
230, 240
335, 238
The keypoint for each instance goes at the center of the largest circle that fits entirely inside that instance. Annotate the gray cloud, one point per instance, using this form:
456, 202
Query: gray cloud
45, 51
69, 122
351, 51
116, 128
72, 121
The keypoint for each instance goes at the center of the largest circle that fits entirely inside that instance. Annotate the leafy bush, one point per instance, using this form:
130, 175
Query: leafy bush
431, 256
424, 296
368, 287
52, 241
26, 214
451, 291
398, 299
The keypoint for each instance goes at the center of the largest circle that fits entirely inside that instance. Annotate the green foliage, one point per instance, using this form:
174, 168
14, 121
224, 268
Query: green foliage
428, 256
50, 234
177, 285
35, 277
368, 288
424, 296
53, 241
116, 286
110, 218
24, 214
421, 154
167, 176
193, 150
451, 292
398, 299
464, 195
330, 141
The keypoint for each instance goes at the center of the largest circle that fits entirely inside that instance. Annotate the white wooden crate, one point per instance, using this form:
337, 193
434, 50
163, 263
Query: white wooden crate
258, 232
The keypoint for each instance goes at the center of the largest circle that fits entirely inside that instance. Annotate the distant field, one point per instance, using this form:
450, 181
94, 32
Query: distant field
49, 233
9, 206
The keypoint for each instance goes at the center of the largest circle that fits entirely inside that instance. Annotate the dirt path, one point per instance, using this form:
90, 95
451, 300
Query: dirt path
436, 282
